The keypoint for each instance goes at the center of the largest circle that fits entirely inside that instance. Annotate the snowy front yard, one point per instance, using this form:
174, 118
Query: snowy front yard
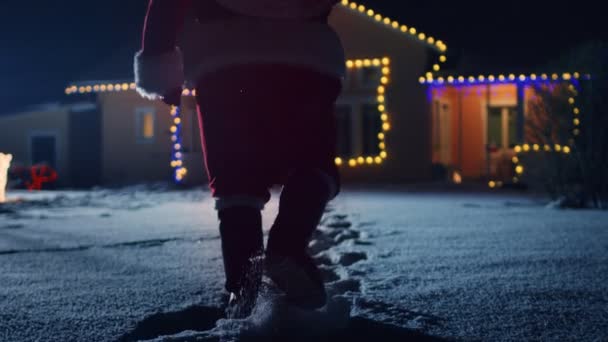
138, 264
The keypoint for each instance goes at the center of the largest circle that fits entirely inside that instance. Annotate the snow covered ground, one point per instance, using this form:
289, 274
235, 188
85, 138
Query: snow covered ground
144, 264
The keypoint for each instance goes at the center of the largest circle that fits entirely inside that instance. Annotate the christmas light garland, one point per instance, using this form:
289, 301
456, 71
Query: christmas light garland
395, 25
430, 79
177, 163
382, 64
410, 32
519, 167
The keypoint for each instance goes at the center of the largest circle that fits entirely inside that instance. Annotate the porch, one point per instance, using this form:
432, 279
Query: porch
475, 129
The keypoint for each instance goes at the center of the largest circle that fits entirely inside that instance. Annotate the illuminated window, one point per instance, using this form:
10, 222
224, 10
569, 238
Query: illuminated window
502, 126
145, 124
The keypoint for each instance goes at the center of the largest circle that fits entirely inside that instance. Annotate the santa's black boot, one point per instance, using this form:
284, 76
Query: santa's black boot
242, 247
287, 263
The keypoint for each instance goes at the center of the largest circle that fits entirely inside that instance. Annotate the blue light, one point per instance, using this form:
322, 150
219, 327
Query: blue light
176, 139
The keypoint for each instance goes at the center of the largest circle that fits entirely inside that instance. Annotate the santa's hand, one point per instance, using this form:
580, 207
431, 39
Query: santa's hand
173, 97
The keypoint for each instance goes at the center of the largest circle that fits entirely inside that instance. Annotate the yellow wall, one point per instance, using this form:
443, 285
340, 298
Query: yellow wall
123, 159
127, 160
15, 132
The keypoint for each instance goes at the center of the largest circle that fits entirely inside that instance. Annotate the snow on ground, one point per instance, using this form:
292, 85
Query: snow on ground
144, 264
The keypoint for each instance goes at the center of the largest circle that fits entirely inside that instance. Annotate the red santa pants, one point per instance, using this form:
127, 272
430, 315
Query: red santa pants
261, 122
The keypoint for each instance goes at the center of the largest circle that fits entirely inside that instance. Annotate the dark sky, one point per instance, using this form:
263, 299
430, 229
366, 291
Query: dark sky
45, 44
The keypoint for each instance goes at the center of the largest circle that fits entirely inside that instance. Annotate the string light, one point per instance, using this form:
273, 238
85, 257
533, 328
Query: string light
558, 148
86, 88
179, 171
404, 29
383, 66
491, 79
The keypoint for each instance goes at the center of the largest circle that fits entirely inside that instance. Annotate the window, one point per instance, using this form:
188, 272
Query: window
502, 126
344, 128
145, 124
371, 125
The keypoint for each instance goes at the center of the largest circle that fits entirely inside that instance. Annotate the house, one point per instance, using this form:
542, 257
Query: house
400, 119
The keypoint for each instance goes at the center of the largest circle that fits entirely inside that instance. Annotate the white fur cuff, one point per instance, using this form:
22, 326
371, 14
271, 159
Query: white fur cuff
155, 76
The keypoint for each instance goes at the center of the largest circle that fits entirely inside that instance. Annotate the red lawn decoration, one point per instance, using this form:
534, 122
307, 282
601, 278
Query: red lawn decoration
39, 175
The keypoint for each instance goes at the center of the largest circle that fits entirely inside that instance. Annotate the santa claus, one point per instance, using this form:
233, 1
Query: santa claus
267, 75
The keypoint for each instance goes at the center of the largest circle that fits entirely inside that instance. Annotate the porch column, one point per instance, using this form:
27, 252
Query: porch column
521, 102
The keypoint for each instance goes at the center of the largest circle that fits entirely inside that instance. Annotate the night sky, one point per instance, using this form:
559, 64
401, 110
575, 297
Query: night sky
46, 44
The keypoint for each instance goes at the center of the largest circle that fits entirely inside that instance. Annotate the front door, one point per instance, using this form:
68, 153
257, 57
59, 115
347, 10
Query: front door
501, 138
442, 133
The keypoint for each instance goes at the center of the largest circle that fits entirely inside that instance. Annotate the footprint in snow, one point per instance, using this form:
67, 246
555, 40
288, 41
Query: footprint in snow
328, 274
341, 287
348, 259
346, 235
